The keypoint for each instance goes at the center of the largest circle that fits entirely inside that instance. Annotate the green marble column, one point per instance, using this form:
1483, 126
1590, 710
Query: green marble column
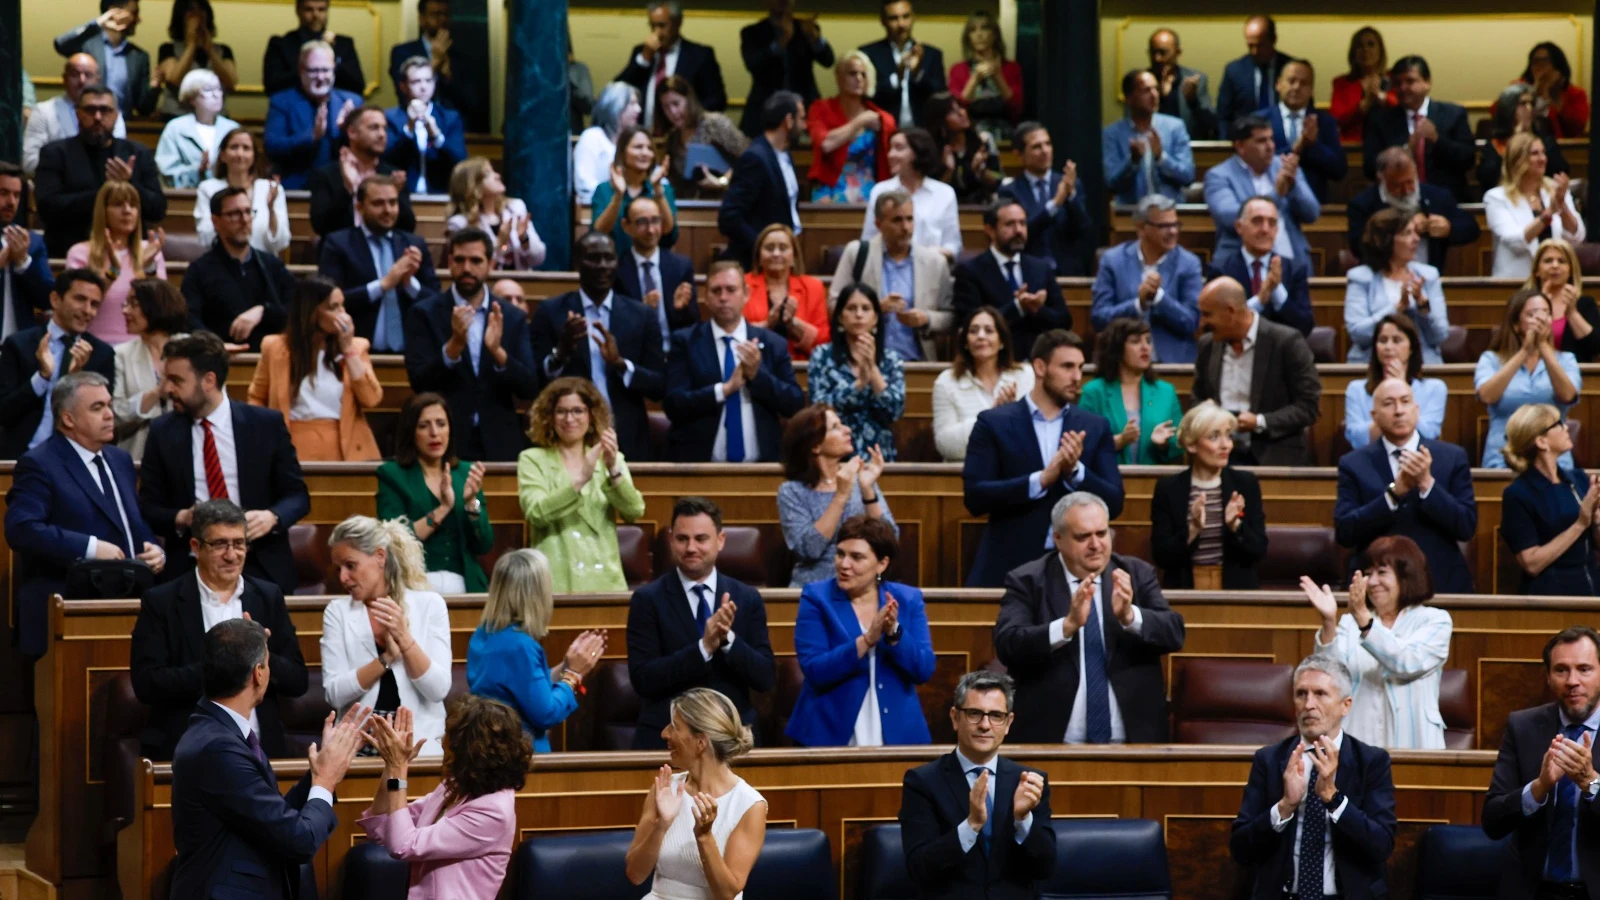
538, 154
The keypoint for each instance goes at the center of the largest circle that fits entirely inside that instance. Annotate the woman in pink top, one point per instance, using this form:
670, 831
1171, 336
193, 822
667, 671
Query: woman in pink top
458, 838
118, 250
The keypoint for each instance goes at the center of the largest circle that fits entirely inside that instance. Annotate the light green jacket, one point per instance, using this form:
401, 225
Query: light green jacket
1158, 403
576, 530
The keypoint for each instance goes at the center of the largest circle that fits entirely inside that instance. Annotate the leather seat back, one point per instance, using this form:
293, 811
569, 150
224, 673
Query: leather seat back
1101, 858
590, 866
1231, 701
795, 864
1458, 862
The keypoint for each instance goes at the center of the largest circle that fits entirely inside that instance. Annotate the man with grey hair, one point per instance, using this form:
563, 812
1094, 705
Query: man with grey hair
1154, 279
1083, 630
912, 282
665, 52
1317, 818
1441, 224
948, 807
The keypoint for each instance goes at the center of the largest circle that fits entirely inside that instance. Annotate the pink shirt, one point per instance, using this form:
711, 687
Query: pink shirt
462, 856
109, 324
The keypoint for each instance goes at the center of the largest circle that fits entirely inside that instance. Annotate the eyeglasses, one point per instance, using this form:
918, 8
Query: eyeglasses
572, 413
237, 214
974, 716
105, 112
239, 544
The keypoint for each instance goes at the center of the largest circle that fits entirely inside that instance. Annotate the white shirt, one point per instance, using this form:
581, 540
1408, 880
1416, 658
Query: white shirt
1409, 446
669, 65
221, 420
88, 457
747, 408
791, 185
319, 394
663, 304
938, 221
1078, 722
213, 609
964, 832
868, 730
694, 605
1294, 121
1145, 268
1238, 369
1329, 886
903, 85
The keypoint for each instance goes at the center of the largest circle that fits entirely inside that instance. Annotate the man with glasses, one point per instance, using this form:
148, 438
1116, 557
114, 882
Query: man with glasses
305, 123
169, 635
233, 290
974, 824
1154, 279
72, 170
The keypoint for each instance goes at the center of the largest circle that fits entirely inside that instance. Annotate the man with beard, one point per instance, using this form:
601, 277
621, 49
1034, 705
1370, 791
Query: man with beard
57, 117
333, 186
25, 279
72, 170
34, 359
233, 290
1442, 224
383, 270
306, 122
1022, 287
764, 190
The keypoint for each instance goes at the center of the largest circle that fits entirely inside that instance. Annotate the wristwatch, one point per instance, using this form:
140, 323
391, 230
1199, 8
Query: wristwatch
1593, 788
397, 784
1393, 494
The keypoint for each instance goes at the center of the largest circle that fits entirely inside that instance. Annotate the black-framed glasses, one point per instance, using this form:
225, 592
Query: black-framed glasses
974, 716
240, 544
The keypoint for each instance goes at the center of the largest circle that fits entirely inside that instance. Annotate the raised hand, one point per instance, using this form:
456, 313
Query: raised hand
1082, 601
1005, 393
682, 295
1233, 514
78, 356
1163, 432
1321, 598
1122, 596
1358, 598
872, 468
340, 740
474, 482
668, 796
46, 361
606, 342
573, 332
393, 739
1030, 789
1128, 435
978, 802
272, 192
1294, 781
608, 448
1197, 516
119, 169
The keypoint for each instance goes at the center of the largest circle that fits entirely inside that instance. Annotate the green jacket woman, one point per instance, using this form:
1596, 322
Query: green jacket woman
458, 540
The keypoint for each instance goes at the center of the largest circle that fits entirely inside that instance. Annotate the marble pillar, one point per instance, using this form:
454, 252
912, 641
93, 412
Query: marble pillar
538, 155
1069, 93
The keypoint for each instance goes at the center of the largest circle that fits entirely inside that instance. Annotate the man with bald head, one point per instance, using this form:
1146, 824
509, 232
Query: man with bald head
1185, 92
1250, 82
1404, 484
1441, 223
57, 117
1261, 372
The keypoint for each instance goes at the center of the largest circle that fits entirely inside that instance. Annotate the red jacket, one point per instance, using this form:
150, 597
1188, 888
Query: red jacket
825, 116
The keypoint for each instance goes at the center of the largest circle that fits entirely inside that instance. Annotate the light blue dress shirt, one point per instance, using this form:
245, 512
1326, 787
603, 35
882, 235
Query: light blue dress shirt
1431, 395
899, 278
1525, 387
116, 73
1048, 433
964, 832
382, 258
42, 388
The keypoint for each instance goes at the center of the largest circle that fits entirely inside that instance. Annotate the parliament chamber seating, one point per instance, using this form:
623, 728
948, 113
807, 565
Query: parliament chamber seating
124, 725
881, 869
1296, 550
1323, 340
370, 873
1456, 707
795, 864
1231, 701
633, 546
614, 706
577, 865
1458, 862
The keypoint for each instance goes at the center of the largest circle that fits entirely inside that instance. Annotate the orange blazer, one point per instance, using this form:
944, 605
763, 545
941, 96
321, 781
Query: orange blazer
270, 387
811, 305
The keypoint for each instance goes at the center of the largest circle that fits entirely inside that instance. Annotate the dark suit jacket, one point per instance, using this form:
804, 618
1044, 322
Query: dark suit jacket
67, 180
638, 335
1002, 453
1237, 96
459, 91
1065, 236
346, 258
1490, 162
773, 68
168, 647
438, 162
1296, 311
694, 369
1527, 737
1283, 385
21, 408
52, 509
1448, 159
675, 269
934, 802
697, 64
1171, 549
981, 282
211, 288
1438, 523
269, 478
333, 207
489, 395
664, 658
290, 131
236, 836
1435, 201
927, 81
30, 289
88, 38
280, 65
1324, 160
757, 197
1047, 680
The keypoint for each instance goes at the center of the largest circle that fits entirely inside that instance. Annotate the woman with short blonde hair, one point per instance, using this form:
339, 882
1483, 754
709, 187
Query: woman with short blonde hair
1548, 511
1208, 528
783, 298
1528, 207
1574, 315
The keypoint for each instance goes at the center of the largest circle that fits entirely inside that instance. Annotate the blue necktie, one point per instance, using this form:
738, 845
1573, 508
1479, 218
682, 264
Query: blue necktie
1313, 835
732, 414
1041, 189
1096, 691
988, 805
702, 612
1011, 276
394, 335
1561, 859
110, 490
1264, 93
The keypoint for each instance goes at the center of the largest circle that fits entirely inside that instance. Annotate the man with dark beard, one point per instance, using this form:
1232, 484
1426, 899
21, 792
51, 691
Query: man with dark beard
72, 170
1022, 287
1443, 225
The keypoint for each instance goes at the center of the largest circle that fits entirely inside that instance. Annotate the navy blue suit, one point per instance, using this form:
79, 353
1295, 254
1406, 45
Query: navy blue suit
981, 282
1447, 160
1362, 838
21, 408
933, 803
485, 396
346, 258
290, 134
1522, 860
30, 289
1001, 453
237, 836
638, 337
52, 509
1438, 523
460, 91
1434, 201
664, 657
1324, 160
694, 369
928, 80
1296, 311
438, 162
1065, 236
757, 197
333, 207
1237, 95
675, 269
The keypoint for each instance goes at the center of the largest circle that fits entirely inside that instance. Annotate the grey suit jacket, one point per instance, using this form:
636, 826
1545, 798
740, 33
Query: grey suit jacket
1283, 386
86, 38
935, 289
1199, 117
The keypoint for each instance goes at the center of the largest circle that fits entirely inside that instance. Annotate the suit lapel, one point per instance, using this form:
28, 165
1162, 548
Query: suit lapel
244, 456
704, 344
955, 781
190, 618
1258, 370
1108, 634
79, 473
678, 604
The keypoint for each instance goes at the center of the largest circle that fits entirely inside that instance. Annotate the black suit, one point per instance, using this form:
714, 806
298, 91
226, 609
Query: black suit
981, 282
925, 82
168, 647
697, 64
280, 66
459, 91
486, 396
664, 657
1527, 737
774, 68
638, 337
1435, 201
1065, 236
1362, 838
346, 257
218, 288
1324, 160
20, 407
333, 206
757, 197
1438, 522
269, 478
1283, 386
674, 269
934, 801
1171, 549
694, 369
70, 175
1296, 310
1447, 160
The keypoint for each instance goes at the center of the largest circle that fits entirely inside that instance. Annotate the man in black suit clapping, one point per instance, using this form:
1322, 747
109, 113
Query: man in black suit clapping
665, 52
1022, 287
764, 189
1435, 132
382, 269
662, 279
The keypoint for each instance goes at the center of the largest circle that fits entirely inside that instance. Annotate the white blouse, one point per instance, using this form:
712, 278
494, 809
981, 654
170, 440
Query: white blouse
273, 242
516, 254
348, 644
679, 874
319, 395
592, 157
957, 402
1397, 673
1513, 256
938, 219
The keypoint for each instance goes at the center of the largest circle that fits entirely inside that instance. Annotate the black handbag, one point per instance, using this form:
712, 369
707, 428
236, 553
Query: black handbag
107, 579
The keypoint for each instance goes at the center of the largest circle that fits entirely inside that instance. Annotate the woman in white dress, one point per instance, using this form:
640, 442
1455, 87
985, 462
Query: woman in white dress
1528, 208
702, 828
242, 162
985, 374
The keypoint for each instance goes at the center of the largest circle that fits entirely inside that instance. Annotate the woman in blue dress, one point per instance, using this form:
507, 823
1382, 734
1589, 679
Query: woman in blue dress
1394, 355
1548, 511
1523, 367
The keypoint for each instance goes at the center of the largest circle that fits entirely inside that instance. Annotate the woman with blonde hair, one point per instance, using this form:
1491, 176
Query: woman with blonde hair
478, 200
387, 643
849, 135
1208, 528
190, 143
702, 828
118, 250
1548, 511
1522, 366
571, 513
1528, 207
1574, 315
635, 173
783, 298
505, 660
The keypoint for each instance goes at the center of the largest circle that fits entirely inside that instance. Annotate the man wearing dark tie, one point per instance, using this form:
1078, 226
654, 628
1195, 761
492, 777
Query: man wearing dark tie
1059, 227
34, 359
1435, 133
1280, 286
1250, 82
662, 279
1022, 287
24, 262
1312, 135
696, 627
382, 270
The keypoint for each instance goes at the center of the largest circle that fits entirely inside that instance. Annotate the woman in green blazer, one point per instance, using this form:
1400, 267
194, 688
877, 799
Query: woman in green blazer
572, 483
446, 513
1143, 411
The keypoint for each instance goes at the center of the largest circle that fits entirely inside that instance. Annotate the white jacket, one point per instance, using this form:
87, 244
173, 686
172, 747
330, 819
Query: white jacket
1396, 674
348, 644
1513, 256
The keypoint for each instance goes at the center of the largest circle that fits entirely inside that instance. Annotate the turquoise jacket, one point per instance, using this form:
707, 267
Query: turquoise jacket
1158, 402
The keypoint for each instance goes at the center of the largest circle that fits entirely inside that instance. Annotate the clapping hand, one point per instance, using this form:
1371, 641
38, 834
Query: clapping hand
1233, 513
1029, 301
119, 169
1128, 435
1284, 183
1321, 598
393, 739
1030, 790
749, 353
1163, 432
1148, 286
1294, 781
1591, 500
1308, 134
1558, 193
844, 479
1359, 609
585, 651
393, 620
881, 622
341, 738
705, 813
719, 625
610, 354
16, 246
1274, 277
1197, 516
871, 468
978, 801
319, 122
573, 331
474, 482
619, 183
78, 356
682, 295
1069, 182
1425, 132
1417, 467
344, 113
1122, 596
1005, 393
668, 796
1082, 600
1575, 758
608, 448
1326, 759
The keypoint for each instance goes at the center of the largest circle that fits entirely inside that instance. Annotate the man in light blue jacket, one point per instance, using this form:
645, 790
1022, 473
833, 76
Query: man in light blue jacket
1147, 152
1152, 278
1253, 171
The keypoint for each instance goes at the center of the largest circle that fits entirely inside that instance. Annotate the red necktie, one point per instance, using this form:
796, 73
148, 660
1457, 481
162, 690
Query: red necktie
661, 67
1255, 278
1422, 147
216, 485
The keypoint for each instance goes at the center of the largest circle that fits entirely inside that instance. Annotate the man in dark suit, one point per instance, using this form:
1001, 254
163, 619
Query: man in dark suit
1280, 286
235, 833
1261, 372
1024, 456
282, 59
333, 186
1435, 132
34, 359
1108, 686
106, 38
1059, 227
779, 51
1311, 134
1022, 287
72, 170
909, 71
453, 65
682, 636
383, 269
1545, 784
25, 279
1444, 224
729, 383
1403, 484
1185, 92
305, 123
425, 139
666, 52
1250, 82
609, 338
972, 823
209, 448
1317, 817
72, 497
764, 189
233, 290
167, 647
662, 279
475, 351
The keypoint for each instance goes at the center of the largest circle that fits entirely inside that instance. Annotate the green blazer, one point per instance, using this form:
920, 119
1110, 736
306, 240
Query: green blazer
403, 492
575, 530
1158, 403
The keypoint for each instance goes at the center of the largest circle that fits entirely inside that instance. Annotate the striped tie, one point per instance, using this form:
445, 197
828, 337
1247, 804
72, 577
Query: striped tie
216, 485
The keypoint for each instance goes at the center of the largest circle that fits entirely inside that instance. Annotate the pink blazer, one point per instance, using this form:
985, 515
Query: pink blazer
462, 856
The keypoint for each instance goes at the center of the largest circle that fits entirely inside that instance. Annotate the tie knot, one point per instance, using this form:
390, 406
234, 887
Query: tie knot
1397, 452
700, 590
205, 424
1575, 731
975, 771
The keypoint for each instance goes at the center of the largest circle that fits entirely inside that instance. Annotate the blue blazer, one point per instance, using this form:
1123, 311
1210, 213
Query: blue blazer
1173, 171
980, 281
1065, 235
825, 632
756, 197
1173, 320
694, 368
1296, 309
1236, 95
438, 162
1324, 160
290, 145
1001, 455
1366, 303
346, 258
1229, 184
1438, 523
30, 288
638, 336
509, 665
237, 836
675, 269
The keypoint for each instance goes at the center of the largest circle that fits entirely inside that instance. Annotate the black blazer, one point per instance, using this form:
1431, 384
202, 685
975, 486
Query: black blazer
1448, 159
1171, 548
168, 648
675, 269
1236, 95
1283, 385
697, 64
1324, 160
211, 289
1362, 838
638, 335
928, 80
280, 65
30, 290
332, 205
981, 282
757, 197
1491, 163
1065, 236
459, 91
269, 478
1447, 516
1047, 680
934, 802
694, 369
21, 408
489, 395
67, 180
346, 258
1435, 201
1528, 735
773, 68
1296, 311
664, 658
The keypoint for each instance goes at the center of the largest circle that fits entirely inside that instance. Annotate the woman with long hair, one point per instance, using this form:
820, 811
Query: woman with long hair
915, 159
1390, 281
478, 200
190, 143
154, 311
1512, 114
1548, 512
634, 174
985, 374
825, 483
783, 298
1208, 529
1528, 207
242, 162
1523, 366
619, 107
987, 83
849, 135
1364, 87
192, 47
857, 375
1395, 354
1574, 316
1143, 410
971, 158
118, 250
1555, 97
686, 123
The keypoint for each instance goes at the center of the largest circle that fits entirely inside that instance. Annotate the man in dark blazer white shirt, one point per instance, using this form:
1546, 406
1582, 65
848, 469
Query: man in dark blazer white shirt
696, 627
425, 139
1311, 134
26, 380
973, 823
1435, 131
1250, 82
1083, 630
25, 278
456, 66
1444, 225
167, 649
667, 52
662, 279
909, 71
1022, 287
282, 59
1279, 286
236, 834
107, 35
1317, 818
1059, 226
1024, 456
377, 297
764, 188
72, 170
780, 51
1544, 787
333, 187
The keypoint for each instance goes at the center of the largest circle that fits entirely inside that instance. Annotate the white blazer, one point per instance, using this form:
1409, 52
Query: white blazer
273, 242
957, 402
348, 644
1397, 677
135, 374
1513, 256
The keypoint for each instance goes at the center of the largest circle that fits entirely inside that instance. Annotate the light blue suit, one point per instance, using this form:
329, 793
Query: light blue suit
1174, 315
1366, 302
179, 150
1231, 183
1125, 177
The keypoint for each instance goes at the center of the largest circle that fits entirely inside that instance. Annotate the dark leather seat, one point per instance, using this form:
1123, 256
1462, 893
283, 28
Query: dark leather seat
1324, 343
1456, 707
576, 865
747, 555
1295, 550
1455, 349
831, 255
795, 864
370, 873
185, 248
1231, 701
1103, 858
312, 559
1575, 434
660, 425
616, 707
881, 872
1458, 862
120, 751
303, 716
634, 548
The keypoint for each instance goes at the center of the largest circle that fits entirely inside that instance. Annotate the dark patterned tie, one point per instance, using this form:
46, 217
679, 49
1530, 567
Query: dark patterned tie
109, 488
1313, 835
1097, 693
255, 746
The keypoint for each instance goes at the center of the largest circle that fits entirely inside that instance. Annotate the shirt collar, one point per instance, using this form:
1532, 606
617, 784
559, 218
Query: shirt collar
1072, 580
84, 453
1410, 445
462, 301
1250, 258
55, 331
710, 582
223, 413
1255, 326
968, 765
120, 49
739, 333
1002, 258
207, 595
1423, 109
372, 235
654, 258
1286, 112
239, 722
1592, 723
1338, 740
1138, 251
1036, 413
588, 302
